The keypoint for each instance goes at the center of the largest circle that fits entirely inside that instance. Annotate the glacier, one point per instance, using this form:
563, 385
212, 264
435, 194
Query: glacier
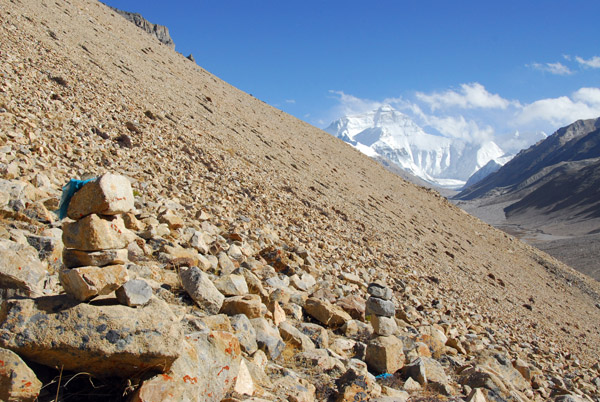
442, 161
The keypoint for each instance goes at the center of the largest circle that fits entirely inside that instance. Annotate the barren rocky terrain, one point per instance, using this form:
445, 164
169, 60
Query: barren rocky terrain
479, 313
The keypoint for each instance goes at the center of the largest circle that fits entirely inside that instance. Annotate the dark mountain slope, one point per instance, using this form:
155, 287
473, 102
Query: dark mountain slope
576, 142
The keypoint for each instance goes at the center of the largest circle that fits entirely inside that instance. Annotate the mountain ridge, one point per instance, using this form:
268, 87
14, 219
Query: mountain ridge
161, 32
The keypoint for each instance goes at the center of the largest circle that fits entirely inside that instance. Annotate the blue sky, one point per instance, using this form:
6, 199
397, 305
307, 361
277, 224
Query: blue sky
476, 69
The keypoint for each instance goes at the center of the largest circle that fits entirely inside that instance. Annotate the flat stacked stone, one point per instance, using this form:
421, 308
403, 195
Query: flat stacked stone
384, 353
96, 242
381, 309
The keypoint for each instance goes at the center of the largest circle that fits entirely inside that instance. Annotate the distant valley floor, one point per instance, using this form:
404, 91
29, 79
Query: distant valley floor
579, 252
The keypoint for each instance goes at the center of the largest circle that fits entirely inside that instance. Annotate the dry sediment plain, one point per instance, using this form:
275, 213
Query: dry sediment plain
83, 91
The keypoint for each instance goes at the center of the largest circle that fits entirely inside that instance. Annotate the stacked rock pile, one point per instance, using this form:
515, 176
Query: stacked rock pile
96, 242
382, 351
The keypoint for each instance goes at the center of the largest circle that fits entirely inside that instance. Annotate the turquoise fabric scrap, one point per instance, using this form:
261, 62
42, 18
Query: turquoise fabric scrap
67, 193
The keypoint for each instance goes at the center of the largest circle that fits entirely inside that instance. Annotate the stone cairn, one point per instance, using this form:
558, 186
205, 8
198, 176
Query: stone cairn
96, 242
384, 351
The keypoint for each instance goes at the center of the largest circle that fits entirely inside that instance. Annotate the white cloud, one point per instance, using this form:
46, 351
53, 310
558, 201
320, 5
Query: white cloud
590, 96
459, 127
594, 62
290, 101
470, 96
553, 68
583, 104
350, 104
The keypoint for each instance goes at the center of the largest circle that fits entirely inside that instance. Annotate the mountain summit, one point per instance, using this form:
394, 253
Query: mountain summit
446, 162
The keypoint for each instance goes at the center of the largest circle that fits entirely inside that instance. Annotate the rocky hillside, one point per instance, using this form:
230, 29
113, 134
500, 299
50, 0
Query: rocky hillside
282, 263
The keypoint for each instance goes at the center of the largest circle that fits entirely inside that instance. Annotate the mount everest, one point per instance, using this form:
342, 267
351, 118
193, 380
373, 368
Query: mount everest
442, 161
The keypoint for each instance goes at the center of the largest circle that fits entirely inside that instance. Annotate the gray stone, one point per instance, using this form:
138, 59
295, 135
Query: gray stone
201, 289
109, 194
20, 267
377, 306
380, 291
76, 258
267, 338
106, 341
133, 293
245, 333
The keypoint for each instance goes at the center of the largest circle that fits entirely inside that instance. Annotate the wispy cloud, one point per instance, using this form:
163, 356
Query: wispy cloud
593, 62
553, 68
290, 101
470, 96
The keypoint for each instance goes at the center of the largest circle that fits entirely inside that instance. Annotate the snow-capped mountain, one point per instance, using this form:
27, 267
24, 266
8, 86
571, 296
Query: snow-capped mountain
447, 162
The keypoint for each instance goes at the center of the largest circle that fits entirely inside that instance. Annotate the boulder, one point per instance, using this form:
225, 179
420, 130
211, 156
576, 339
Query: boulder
318, 359
17, 381
77, 258
267, 338
357, 329
245, 333
94, 233
218, 322
292, 336
494, 372
205, 371
109, 194
325, 312
201, 289
106, 341
173, 221
226, 265
20, 267
353, 305
317, 334
134, 293
426, 370
304, 283
232, 285
250, 305
385, 355
85, 283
